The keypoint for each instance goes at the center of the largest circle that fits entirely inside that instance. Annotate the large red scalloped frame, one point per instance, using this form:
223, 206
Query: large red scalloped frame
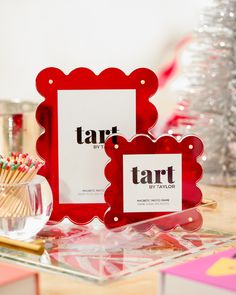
48, 82
190, 147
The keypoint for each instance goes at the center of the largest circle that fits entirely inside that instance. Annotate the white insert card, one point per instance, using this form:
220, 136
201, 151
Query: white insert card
152, 183
85, 119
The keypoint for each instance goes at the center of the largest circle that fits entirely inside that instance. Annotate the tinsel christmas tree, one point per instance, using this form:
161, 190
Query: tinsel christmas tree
206, 91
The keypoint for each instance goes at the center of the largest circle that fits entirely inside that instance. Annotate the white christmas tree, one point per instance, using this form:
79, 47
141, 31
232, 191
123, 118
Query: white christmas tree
206, 91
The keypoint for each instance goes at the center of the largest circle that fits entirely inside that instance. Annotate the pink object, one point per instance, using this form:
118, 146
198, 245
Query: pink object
217, 270
18, 280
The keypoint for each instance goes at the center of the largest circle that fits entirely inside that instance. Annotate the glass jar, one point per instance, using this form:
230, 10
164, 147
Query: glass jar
24, 208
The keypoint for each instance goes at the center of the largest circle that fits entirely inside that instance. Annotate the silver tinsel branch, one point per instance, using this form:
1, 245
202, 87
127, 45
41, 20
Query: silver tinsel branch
206, 91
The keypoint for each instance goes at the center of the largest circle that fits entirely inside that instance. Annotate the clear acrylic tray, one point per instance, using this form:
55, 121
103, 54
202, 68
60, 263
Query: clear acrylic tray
94, 253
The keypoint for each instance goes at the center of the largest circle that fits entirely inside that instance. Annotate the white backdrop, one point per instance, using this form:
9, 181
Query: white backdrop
91, 33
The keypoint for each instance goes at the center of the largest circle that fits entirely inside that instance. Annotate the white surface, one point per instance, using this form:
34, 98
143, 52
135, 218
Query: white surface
35, 34
169, 285
81, 166
152, 197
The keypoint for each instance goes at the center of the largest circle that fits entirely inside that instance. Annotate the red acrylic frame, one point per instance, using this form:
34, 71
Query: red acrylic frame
48, 82
189, 147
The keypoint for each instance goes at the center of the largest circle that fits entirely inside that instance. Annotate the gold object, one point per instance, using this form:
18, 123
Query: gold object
35, 247
210, 203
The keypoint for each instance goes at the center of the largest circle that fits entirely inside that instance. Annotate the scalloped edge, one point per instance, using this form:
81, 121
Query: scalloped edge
110, 179
76, 77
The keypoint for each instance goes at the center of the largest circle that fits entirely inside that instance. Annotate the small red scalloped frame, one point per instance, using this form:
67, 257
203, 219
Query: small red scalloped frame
48, 82
190, 147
